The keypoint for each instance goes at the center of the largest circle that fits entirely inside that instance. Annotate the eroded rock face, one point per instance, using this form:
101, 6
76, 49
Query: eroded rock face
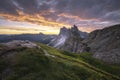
69, 40
61, 38
111, 57
105, 44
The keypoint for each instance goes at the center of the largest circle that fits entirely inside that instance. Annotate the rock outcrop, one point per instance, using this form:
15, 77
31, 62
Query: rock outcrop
69, 40
61, 38
105, 44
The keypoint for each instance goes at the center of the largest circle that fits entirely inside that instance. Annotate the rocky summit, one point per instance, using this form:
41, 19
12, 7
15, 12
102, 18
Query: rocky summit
69, 40
105, 44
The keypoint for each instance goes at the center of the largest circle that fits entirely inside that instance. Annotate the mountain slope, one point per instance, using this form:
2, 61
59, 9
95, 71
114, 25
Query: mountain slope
105, 44
46, 63
69, 40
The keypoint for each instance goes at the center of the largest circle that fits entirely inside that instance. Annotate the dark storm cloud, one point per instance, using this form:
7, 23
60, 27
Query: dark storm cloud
88, 8
28, 5
7, 7
103, 10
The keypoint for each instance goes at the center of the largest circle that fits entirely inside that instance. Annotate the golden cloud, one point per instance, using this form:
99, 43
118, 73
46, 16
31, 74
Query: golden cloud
35, 19
75, 17
51, 27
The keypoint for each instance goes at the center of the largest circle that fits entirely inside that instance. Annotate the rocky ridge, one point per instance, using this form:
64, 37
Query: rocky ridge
69, 40
105, 44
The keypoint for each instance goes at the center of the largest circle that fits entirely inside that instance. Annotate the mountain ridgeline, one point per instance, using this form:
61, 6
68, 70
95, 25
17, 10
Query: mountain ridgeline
104, 44
43, 38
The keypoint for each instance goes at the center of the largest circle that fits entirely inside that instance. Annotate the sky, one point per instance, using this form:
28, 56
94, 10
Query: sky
48, 16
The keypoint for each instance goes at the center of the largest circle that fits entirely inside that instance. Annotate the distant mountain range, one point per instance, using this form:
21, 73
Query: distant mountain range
43, 38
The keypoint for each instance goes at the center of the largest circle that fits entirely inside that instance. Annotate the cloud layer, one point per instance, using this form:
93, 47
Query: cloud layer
87, 14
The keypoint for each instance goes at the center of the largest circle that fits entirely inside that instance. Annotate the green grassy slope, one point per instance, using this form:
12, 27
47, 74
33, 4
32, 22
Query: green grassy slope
48, 63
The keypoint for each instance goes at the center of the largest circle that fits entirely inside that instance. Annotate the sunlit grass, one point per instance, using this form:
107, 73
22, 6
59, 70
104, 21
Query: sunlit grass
33, 64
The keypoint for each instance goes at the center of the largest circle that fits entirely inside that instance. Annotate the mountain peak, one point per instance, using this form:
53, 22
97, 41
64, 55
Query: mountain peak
63, 28
69, 39
75, 28
64, 31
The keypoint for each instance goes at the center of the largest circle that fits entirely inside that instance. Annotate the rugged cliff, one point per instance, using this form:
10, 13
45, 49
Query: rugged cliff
105, 44
69, 40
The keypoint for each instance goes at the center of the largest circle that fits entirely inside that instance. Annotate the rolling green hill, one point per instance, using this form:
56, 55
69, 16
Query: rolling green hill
47, 63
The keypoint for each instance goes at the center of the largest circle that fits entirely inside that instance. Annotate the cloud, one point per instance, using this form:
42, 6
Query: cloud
24, 27
112, 16
92, 14
7, 7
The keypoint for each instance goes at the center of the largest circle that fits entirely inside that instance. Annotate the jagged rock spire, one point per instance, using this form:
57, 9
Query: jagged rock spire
68, 39
64, 31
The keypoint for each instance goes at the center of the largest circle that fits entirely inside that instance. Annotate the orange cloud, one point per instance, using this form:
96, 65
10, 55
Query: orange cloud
51, 27
36, 19
75, 17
